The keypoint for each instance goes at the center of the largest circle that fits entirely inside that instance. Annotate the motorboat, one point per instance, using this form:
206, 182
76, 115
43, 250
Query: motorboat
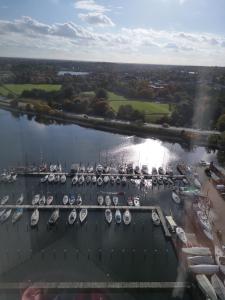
57, 178
155, 218
94, 179
181, 235
72, 199
42, 200
199, 260
100, 199
88, 179
130, 168
79, 199
106, 169
154, 181
218, 286
204, 269
36, 199
82, 169
99, 169
175, 197
107, 200
99, 181
83, 214
53, 168
165, 180
115, 200
65, 200
160, 180
108, 215
118, 180
51, 177
118, 216
127, 217
19, 201
220, 258
34, 218
203, 220
137, 170
49, 200
81, 179
4, 217
130, 201
44, 179
136, 201
75, 179
90, 169
206, 287
4, 200
72, 216
54, 217
124, 180
169, 171
122, 169
63, 178
112, 179
161, 171
144, 169
154, 171
17, 214
106, 179
203, 251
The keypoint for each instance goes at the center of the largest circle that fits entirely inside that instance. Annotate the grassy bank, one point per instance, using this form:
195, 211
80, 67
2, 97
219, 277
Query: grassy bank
19, 88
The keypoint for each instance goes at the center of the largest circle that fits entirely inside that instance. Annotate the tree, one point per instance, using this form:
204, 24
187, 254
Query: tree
221, 123
101, 94
100, 107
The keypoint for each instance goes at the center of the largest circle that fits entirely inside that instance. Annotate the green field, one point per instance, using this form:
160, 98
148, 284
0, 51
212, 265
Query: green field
19, 88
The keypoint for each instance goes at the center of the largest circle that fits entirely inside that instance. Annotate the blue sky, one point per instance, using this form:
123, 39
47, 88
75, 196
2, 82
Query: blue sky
142, 31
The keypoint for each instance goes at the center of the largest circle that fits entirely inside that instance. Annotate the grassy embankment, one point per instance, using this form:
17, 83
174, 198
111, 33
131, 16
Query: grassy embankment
19, 88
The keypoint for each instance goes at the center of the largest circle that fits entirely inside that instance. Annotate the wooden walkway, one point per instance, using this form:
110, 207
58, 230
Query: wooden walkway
96, 207
95, 285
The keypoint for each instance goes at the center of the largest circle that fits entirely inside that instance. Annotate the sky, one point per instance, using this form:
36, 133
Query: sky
181, 32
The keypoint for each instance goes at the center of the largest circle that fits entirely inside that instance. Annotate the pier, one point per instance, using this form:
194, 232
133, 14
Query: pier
95, 285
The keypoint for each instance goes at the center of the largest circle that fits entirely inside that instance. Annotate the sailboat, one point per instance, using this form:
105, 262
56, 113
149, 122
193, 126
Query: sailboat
19, 201
127, 217
100, 199
206, 287
181, 235
65, 199
4, 217
75, 180
72, 217
218, 286
36, 199
155, 218
83, 214
50, 199
54, 217
107, 200
108, 215
42, 200
99, 181
17, 214
175, 197
34, 218
118, 216
4, 200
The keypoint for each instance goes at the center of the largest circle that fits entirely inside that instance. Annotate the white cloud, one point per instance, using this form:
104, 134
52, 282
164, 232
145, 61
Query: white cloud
96, 18
90, 5
69, 40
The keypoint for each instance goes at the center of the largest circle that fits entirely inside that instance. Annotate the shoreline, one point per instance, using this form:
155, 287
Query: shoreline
186, 136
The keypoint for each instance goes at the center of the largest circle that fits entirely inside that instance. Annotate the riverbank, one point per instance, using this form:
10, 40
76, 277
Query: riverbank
183, 135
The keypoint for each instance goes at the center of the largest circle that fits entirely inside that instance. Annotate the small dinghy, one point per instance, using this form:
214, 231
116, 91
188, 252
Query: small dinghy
107, 200
50, 199
100, 199
115, 200
181, 235
118, 216
72, 217
4, 217
176, 198
36, 199
127, 217
17, 214
83, 214
54, 217
65, 200
108, 215
42, 200
155, 218
34, 218
19, 201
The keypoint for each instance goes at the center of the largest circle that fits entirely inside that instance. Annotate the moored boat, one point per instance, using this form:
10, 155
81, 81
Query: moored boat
218, 286
36, 199
107, 200
99, 181
94, 179
19, 201
34, 218
4, 217
118, 180
83, 214
54, 217
108, 215
49, 200
106, 179
4, 200
197, 251
181, 235
51, 177
115, 200
130, 201
206, 287
63, 178
65, 199
100, 199
44, 179
72, 216
204, 269
136, 201
118, 216
17, 214
199, 260
42, 200
175, 197
79, 200
127, 217
124, 180
81, 179
72, 199
220, 258
155, 218
75, 180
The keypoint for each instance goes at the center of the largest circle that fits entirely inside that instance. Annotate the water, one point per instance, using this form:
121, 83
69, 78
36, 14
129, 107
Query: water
93, 251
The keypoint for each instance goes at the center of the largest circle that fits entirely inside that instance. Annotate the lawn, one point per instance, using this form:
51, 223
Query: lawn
19, 88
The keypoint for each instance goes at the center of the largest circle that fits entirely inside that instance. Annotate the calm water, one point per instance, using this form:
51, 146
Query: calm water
93, 251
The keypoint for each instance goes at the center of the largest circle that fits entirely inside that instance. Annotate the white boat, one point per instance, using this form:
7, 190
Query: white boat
144, 169
72, 217
108, 215
204, 269
49, 199
42, 200
112, 179
57, 178
206, 287
13, 177
52, 168
90, 169
65, 199
88, 179
100, 199
83, 214
4, 200
106, 179
2, 211
197, 251
44, 179
118, 216
199, 260
203, 220
176, 198
115, 200
197, 183
4, 217
218, 286
181, 235
107, 200
99, 181
36, 199
106, 169
94, 179
220, 258
72, 199
34, 217
63, 178
54, 217
75, 179
155, 218
208, 234
99, 169
127, 217
79, 199
136, 201
17, 214
51, 177
124, 180
81, 179
19, 201
130, 201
